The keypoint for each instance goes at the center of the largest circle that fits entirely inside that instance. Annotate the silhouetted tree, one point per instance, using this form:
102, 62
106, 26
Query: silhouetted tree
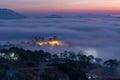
111, 63
73, 70
72, 55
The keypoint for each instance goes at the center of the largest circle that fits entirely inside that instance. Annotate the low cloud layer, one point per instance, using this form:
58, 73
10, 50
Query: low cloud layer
101, 35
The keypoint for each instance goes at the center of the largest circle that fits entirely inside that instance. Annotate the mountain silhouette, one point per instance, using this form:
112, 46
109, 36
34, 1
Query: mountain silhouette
10, 14
53, 16
90, 15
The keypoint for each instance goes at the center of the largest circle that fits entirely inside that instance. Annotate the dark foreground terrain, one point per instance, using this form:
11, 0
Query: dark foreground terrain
19, 64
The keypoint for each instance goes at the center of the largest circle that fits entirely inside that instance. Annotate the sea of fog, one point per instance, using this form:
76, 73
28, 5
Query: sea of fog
97, 36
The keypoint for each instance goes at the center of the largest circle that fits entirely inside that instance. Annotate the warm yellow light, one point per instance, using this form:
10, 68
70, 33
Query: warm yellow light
41, 43
51, 43
55, 42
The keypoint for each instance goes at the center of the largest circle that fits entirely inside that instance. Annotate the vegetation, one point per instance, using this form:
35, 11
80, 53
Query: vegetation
75, 65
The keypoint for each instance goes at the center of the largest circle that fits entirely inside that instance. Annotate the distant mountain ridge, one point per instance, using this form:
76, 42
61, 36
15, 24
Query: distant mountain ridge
90, 15
10, 14
53, 16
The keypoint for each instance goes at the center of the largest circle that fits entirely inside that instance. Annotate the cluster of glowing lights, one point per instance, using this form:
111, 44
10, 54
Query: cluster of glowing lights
51, 43
12, 56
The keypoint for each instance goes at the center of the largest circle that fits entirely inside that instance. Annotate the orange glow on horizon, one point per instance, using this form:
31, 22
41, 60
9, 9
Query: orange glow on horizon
61, 6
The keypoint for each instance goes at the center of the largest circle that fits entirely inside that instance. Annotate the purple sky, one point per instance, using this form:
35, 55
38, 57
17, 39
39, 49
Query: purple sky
62, 6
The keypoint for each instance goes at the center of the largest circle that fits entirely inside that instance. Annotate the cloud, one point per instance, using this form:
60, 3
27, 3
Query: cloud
100, 35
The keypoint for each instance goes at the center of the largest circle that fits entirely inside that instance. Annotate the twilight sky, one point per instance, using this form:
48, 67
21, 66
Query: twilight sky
62, 6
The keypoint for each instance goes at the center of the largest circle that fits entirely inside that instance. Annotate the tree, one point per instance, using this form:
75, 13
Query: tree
41, 56
5, 51
55, 58
72, 69
37, 56
64, 54
72, 55
91, 58
111, 63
